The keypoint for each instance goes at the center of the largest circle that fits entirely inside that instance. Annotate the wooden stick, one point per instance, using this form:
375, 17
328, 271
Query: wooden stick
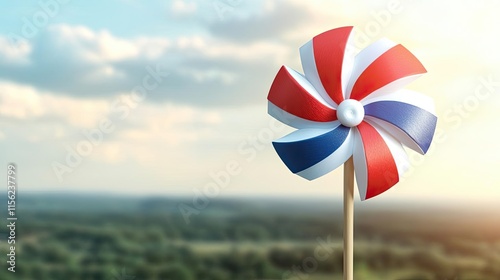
348, 219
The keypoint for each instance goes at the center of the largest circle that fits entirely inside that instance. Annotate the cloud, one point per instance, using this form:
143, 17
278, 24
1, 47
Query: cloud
204, 71
183, 7
275, 20
231, 64
171, 124
25, 103
12, 55
228, 62
76, 61
165, 137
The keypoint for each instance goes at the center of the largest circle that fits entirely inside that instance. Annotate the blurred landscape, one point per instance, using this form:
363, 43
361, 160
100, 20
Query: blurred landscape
123, 238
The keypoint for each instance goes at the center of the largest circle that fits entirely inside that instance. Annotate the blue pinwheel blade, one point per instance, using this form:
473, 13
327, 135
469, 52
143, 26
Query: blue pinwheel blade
305, 148
418, 124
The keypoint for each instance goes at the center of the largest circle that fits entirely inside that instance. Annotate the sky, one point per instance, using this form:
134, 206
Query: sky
169, 97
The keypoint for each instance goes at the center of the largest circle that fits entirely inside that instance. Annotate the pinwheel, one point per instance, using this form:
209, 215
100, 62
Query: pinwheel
351, 109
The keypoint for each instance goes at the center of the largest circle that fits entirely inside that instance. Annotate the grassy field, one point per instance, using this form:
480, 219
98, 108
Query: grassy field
85, 237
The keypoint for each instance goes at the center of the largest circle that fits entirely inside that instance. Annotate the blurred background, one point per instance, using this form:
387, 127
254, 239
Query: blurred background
143, 145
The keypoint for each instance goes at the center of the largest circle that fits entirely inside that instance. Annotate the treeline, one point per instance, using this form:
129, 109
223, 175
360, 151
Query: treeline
244, 240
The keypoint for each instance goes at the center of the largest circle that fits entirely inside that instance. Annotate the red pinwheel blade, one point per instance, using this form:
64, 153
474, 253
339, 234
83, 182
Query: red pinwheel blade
329, 51
375, 168
394, 64
293, 94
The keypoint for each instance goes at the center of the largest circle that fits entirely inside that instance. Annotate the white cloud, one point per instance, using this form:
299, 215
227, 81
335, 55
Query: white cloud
170, 125
26, 103
14, 54
89, 63
102, 46
20, 102
149, 132
183, 7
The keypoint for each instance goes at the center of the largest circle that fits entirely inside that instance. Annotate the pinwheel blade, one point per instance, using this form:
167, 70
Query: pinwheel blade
295, 102
311, 153
411, 125
375, 168
327, 62
396, 66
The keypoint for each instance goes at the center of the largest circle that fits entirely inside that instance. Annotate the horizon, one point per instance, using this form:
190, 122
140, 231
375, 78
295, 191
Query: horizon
412, 204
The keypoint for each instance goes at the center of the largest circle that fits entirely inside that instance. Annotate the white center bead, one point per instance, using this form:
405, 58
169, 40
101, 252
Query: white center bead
350, 112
